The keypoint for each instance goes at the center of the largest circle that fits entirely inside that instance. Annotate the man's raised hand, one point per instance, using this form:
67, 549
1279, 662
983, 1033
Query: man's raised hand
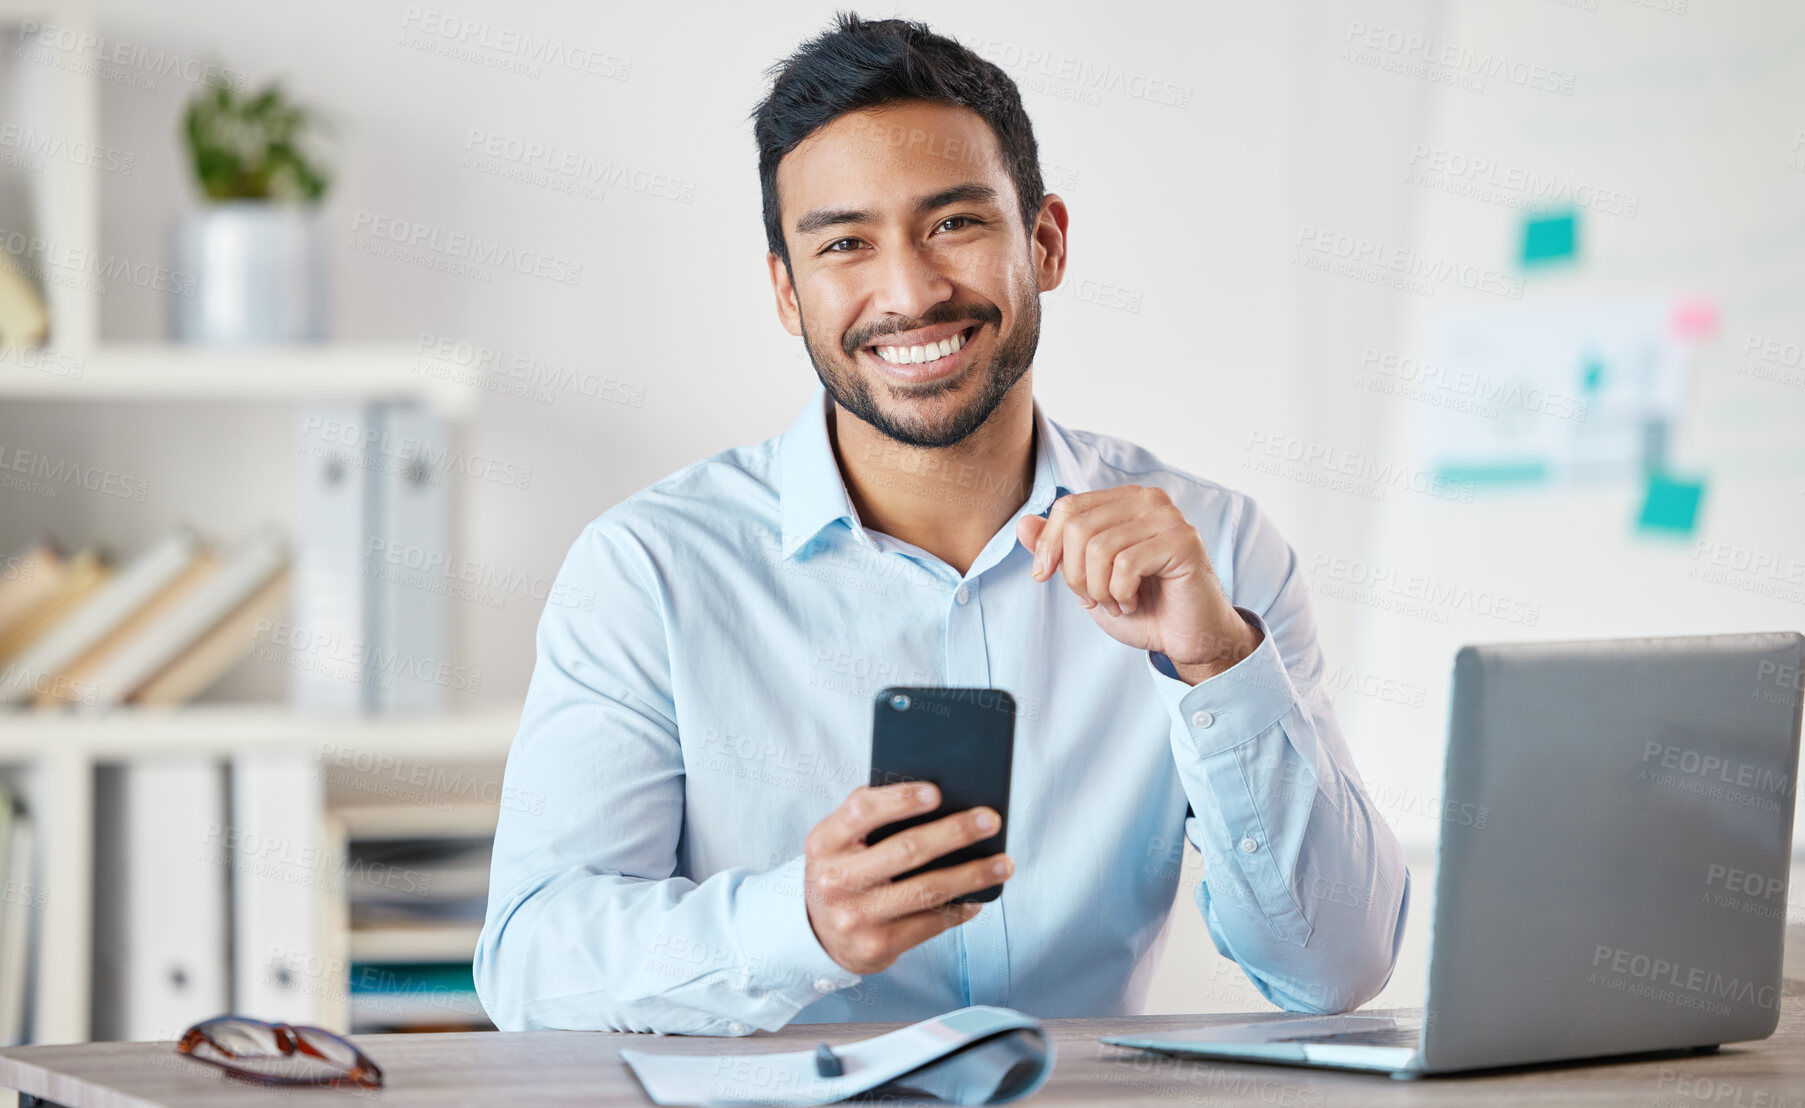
1132, 559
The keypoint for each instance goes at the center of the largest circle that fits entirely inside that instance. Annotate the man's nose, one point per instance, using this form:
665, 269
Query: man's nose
911, 282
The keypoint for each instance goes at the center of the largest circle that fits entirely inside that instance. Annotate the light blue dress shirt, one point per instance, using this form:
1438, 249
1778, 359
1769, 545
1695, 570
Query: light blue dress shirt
684, 730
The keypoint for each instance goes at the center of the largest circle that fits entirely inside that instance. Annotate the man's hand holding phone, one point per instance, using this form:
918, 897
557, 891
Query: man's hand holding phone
863, 918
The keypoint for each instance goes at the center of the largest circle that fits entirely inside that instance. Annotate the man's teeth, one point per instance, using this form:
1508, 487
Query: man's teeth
914, 355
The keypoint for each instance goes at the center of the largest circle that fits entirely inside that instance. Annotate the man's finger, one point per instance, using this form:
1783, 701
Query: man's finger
860, 870
925, 842
1103, 551
869, 808
912, 930
1067, 543
1138, 562
1027, 532
1046, 550
936, 887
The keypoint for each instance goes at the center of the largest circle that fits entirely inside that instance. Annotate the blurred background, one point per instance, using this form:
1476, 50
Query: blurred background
325, 328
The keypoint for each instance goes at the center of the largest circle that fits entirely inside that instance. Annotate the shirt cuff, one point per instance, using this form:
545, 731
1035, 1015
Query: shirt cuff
783, 955
1235, 705
1249, 820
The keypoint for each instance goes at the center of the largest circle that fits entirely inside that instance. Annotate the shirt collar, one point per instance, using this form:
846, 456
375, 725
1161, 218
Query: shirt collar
813, 492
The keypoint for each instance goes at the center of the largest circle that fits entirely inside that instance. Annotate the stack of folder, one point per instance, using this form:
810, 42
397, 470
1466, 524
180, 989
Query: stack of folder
157, 629
418, 893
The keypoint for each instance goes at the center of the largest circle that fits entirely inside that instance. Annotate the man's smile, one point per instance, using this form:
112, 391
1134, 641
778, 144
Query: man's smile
926, 354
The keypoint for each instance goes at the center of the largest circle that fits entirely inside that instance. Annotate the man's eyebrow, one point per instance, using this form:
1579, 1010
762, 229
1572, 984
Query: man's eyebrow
822, 218
958, 194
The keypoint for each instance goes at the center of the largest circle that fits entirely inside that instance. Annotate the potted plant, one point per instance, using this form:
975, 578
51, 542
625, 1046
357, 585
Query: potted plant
255, 250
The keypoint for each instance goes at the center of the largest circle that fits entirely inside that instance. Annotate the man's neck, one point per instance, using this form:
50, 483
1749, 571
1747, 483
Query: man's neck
949, 501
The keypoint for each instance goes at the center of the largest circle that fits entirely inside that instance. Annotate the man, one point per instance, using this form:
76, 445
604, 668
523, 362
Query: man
688, 852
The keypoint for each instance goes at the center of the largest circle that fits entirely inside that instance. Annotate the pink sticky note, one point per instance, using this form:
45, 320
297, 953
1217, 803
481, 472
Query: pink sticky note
1693, 319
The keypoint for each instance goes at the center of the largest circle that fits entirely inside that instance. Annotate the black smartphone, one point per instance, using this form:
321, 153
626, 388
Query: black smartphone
961, 740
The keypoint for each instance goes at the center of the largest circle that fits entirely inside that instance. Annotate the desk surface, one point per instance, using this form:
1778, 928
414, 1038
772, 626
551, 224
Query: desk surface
573, 1067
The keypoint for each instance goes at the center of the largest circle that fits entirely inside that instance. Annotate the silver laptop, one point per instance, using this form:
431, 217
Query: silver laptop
1625, 891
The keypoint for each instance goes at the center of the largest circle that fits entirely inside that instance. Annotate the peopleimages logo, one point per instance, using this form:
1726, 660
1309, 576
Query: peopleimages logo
1086, 76
1368, 476
1765, 886
85, 52
1412, 593
55, 263
1484, 395
1717, 770
1333, 251
549, 164
35, 147
506, 48
46, 475
467, 578
1519, 186
1653, 971
1417, 55
1773, 359
375, 448
425, 776
454, 251
353, 660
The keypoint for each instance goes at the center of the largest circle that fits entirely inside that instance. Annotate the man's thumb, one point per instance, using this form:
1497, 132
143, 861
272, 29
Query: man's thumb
1028, 529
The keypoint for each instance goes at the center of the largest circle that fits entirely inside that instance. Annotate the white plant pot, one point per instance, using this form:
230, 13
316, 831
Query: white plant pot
259, 274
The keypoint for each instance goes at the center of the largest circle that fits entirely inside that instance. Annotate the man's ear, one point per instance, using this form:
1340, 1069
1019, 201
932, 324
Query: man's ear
1050, 242
787, 309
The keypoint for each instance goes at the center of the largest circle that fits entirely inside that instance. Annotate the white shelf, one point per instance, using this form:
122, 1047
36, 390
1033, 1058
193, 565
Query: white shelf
59, 751
227, 729
392, 820
193, 373
444, 943
62, 749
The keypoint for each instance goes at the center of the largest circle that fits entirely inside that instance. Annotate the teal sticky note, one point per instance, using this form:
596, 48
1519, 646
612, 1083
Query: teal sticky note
1671, 504
1550, 238
1593, 374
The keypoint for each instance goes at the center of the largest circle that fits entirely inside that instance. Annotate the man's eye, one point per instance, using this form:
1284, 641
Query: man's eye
834, 246
962, 220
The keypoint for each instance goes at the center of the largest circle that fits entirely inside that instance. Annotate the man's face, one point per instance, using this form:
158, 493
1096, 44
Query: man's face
912, 281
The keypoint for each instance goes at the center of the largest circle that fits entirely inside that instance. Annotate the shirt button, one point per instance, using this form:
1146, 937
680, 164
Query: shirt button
1248, 846
825, 985
962, 595
737, 1028
1202, 719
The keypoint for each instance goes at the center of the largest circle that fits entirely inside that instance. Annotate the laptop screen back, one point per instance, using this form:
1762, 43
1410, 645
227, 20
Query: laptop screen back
1623, 887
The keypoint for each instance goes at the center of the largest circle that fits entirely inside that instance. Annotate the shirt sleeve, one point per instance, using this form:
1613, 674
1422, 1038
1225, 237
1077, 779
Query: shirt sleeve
1304, 884
589, 925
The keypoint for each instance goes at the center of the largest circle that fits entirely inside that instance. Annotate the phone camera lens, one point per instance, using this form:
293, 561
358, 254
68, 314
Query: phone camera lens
900, 702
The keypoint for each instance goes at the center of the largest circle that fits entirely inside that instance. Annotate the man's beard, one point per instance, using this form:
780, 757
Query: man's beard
1009, 360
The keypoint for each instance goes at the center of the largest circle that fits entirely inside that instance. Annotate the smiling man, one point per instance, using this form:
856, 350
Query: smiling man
687, 853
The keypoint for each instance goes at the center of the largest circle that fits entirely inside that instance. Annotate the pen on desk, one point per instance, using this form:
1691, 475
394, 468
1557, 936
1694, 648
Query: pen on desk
827, 1063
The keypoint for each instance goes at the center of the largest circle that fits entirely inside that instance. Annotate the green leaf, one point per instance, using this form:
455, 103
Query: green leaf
255, 146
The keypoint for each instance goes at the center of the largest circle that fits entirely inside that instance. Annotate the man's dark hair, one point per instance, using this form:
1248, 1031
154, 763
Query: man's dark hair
867, 64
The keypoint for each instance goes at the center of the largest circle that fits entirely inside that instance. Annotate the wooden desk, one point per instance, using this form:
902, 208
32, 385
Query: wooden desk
573, 1067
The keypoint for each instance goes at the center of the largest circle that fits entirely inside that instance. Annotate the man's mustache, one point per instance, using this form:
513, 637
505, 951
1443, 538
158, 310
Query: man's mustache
862, 337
